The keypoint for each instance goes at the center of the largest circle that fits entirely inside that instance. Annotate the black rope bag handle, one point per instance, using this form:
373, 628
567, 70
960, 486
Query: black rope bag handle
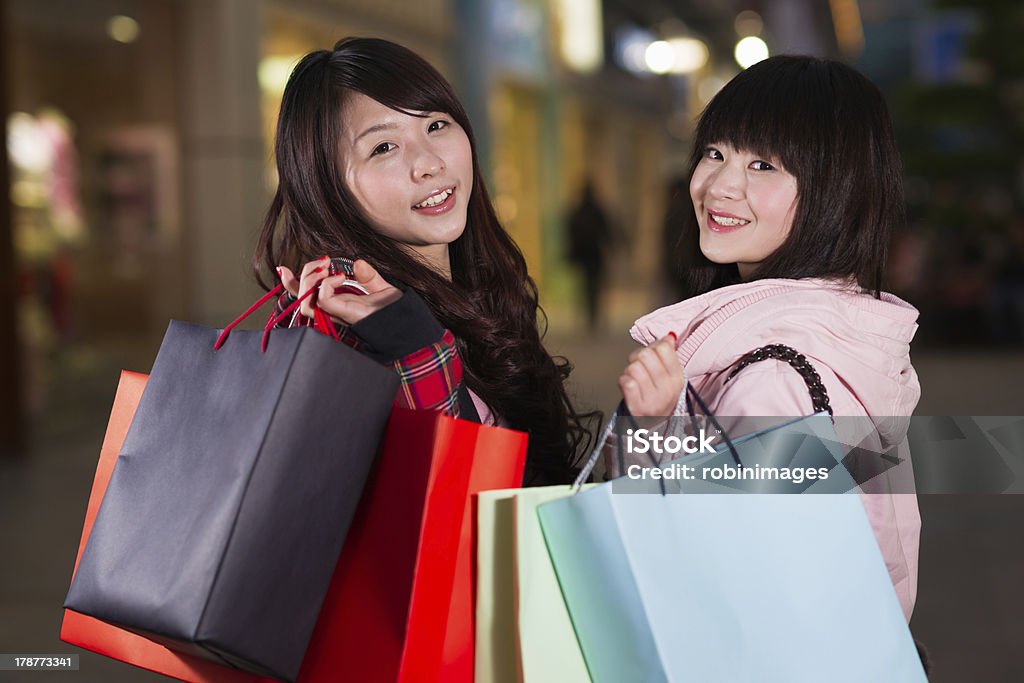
799, 362
819, 398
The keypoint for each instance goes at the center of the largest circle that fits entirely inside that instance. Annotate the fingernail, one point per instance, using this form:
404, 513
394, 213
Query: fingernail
318, 270
675, 339
323, 257
278, 269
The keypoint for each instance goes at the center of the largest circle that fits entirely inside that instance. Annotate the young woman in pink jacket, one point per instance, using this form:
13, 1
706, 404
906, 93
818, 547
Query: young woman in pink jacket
796, 188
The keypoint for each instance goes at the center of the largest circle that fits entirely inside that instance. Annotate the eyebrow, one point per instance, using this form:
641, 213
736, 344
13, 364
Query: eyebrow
376, 129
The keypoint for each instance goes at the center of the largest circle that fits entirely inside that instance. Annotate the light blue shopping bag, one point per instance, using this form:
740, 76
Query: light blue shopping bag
715, 587
727, 588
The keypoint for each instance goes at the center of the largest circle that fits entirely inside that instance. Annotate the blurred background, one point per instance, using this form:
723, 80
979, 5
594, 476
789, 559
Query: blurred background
138, 166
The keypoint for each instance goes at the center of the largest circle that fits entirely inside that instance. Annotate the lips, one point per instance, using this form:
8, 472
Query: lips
720, 221
435, 198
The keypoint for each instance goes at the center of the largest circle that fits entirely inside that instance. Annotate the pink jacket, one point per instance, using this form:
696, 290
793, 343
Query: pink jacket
858, 344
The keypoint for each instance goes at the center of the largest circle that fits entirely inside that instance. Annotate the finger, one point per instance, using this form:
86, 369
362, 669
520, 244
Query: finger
311, 276
308, 283
666, 353
351, 308
671, 337
331, 283
312, 273
338, 306
656, 365
662, 362
316, 266
642, 376
650, 362
368, 277
631, 393
660, 387
288, 279
346, 308
330, 286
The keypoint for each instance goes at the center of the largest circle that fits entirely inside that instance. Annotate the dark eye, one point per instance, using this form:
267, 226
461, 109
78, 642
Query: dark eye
382, 148
761, 166
437, 125
712, 153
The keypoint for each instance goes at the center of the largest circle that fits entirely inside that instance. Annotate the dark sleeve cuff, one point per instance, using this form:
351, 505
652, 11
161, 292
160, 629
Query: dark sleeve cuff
398, 329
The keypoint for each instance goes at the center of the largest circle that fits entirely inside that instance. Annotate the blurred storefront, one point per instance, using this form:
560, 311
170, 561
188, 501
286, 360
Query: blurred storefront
558, 122
92, 133
140, 134
544, 127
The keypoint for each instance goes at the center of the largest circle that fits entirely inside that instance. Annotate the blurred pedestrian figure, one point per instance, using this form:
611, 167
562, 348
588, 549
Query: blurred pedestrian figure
589, 235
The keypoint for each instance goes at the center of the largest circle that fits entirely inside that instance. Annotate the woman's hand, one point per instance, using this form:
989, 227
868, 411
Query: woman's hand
345, 308
351, 308
653, 380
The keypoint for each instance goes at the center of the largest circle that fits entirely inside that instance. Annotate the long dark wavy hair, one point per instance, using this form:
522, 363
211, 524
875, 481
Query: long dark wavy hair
490, 304
829, 126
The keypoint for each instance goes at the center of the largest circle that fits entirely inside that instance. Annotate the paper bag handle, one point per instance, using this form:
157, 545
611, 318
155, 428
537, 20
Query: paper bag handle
274, 320
623, 411
249, 311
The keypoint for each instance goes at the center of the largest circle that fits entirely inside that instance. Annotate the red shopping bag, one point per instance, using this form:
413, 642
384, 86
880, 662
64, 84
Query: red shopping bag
493, 468
404, 582
386, 614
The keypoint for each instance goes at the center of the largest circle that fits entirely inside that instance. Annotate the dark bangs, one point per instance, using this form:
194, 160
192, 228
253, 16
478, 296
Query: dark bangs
396, 77
829, 127
774, 115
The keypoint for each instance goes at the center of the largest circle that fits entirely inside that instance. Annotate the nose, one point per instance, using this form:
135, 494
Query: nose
727, 182
427, 163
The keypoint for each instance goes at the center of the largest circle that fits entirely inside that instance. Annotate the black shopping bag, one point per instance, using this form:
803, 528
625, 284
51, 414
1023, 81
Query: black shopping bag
233, 493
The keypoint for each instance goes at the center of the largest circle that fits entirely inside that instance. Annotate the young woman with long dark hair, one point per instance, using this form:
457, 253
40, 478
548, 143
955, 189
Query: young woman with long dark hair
377, 162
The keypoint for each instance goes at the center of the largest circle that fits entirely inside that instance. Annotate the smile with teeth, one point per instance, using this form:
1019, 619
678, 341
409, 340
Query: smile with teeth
726, 221
434, 199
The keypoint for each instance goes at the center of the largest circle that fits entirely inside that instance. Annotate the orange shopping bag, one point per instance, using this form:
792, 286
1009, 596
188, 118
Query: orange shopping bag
93, 634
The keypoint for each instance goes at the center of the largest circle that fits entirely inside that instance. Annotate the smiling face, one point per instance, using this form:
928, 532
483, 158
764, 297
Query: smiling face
411, 176
744, 204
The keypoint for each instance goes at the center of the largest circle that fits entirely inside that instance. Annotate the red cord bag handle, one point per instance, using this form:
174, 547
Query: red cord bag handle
274, 320
321, 321
252, 309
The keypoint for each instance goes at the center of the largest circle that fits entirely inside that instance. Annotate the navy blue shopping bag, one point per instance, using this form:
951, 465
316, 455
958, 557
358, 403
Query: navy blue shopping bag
233, 493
